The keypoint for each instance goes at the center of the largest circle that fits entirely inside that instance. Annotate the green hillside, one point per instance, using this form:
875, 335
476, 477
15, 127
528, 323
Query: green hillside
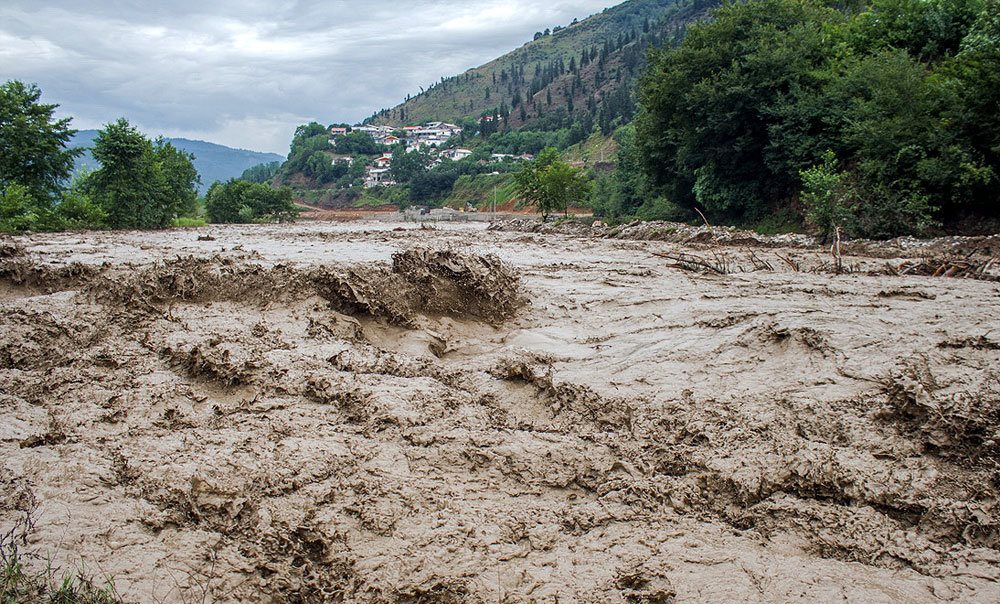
588, 69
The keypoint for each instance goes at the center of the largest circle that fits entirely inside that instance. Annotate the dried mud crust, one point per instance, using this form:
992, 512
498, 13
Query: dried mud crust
378, 433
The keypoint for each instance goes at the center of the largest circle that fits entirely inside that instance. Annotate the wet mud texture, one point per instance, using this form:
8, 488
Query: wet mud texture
359, 414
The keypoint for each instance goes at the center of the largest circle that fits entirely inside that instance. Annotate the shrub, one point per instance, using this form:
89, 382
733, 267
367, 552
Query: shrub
239, 201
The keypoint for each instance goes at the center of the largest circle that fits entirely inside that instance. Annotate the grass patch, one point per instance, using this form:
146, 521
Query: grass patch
20, 585
186, 223
478, 191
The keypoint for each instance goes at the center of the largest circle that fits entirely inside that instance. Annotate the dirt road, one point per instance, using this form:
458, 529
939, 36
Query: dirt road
385, 413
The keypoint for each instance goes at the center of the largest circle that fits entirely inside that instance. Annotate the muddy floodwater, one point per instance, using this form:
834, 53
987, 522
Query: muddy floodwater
396, 413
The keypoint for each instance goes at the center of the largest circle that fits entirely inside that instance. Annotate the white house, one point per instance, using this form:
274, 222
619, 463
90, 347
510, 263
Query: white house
457, 154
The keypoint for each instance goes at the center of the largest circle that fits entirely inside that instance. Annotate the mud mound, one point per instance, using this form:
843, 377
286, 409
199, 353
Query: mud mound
197, 279
957, 420
367, 291
578, 404
21, 271
449, 282
10, 249
31, 339
419, 281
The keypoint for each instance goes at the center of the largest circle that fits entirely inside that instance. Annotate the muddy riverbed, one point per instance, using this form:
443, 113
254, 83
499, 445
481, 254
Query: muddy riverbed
400, 414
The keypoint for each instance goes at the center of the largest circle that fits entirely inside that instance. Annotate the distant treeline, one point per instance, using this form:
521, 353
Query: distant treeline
139, 183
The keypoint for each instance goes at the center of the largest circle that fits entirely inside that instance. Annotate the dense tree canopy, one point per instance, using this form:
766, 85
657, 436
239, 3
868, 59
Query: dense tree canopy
903, 94
406, 165
261, 173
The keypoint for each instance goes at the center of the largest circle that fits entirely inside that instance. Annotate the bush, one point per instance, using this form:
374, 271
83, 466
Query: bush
18, 209
833, 199
78, 211
239, 201
827, 196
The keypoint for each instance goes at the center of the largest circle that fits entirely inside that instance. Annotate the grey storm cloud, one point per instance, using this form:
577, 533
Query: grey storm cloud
246, 73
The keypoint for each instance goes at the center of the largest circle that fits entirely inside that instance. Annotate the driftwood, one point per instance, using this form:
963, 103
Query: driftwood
690, 262
948, 267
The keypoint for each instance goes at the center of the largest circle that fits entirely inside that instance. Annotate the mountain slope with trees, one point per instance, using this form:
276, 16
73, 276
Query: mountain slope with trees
586, 70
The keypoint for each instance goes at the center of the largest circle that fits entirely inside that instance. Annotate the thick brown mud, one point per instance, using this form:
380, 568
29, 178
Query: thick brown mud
331, 413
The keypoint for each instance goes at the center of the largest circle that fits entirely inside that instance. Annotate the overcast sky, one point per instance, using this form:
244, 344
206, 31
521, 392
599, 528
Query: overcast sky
246, 73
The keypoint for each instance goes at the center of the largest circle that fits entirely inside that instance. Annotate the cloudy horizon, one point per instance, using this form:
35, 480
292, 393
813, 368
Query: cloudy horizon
246, 74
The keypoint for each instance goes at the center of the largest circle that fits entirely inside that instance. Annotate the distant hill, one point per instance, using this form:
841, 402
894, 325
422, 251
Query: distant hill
588, 68
213, 162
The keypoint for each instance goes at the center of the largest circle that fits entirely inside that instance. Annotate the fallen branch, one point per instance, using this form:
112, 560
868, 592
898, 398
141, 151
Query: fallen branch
690, 262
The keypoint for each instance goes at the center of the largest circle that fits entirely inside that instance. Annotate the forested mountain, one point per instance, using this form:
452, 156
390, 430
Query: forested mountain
585, 71
213, 162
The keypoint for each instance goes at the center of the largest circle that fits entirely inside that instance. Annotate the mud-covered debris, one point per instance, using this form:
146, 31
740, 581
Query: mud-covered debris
574, 402
959, 268
419, 282
454, 283
639, 585
771, 333
10, 249
365, 291
656, 230
906, 294
22, 271
198, 279
980, 342
40, 340
229, 363
959, 420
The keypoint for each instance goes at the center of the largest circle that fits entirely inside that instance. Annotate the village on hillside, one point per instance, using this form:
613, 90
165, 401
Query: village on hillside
432, 138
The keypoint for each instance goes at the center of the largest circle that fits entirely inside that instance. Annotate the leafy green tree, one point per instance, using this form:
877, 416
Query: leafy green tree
309, 140
129, 184
828, 196
308, 131
140, 185
927, 30
357, 143
33, 151
77, 210
181, 176
432, 185
240, 201
976, 73
903, 93
407, 165
551, 184
19, 211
